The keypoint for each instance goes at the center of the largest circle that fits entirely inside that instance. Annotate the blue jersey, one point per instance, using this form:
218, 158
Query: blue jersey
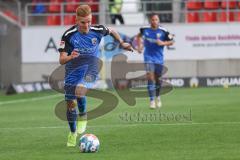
85, 44
153, 53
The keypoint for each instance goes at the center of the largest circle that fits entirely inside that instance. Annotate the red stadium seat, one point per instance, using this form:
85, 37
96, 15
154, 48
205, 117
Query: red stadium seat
194, 4
94, 19
192, 17
211, 4
69, 20
223, 16
231, 4
55, 6
53, 20
71, 5
209, 16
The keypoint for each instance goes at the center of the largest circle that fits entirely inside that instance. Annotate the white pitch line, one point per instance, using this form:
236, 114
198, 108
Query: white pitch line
128, 125
165, 124
30, 99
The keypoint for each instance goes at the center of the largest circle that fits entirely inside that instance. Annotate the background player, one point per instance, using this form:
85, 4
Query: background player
79, 49
154, 39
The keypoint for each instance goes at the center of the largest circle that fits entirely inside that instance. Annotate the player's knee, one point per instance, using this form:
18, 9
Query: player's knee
80, 91
150, 76
71, 104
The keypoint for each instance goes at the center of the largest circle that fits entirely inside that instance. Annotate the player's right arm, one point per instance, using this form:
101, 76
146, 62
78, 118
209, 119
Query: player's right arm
139, 43
64, 58
65, 48
140, 40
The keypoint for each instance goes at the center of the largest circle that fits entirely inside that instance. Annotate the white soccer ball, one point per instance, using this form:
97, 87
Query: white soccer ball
89, 143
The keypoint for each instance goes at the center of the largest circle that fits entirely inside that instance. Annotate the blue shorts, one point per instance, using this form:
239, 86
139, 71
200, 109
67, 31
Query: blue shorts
154, 67
86, 75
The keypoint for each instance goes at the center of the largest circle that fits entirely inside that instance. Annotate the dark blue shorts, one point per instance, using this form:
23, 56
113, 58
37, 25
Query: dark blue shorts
82, 72
154, 67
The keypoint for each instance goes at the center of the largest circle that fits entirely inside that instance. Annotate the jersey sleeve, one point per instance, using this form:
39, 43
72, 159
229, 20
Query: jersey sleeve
103, 30
168, 36
65, 45
141, 30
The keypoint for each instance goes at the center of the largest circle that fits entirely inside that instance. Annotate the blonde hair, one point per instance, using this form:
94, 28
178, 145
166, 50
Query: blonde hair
83, 11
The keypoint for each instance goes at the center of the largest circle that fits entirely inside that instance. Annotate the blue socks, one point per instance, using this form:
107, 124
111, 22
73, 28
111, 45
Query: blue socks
82, 105
154, 89
72, 117
151, 89
72, 113
158, 87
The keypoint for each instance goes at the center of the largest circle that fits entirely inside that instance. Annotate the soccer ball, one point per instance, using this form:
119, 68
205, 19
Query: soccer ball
89, 143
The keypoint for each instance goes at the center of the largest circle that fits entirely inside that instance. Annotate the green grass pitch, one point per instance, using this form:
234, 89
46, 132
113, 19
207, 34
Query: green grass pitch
196, 124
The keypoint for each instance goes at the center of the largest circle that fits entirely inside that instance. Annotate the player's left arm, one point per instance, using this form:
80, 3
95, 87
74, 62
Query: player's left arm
117, 37
168, 40
164, 43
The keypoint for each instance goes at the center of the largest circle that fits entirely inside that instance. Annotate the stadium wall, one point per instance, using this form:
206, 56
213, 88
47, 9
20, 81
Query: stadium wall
197, 68
34, 72
203, 68
176, 68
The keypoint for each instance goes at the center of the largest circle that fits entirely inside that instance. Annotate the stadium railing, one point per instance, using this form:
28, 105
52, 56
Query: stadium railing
57, 13
135, 12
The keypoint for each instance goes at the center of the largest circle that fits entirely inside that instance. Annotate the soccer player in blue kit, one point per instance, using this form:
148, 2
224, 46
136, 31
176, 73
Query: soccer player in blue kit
81, 72
154, 39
